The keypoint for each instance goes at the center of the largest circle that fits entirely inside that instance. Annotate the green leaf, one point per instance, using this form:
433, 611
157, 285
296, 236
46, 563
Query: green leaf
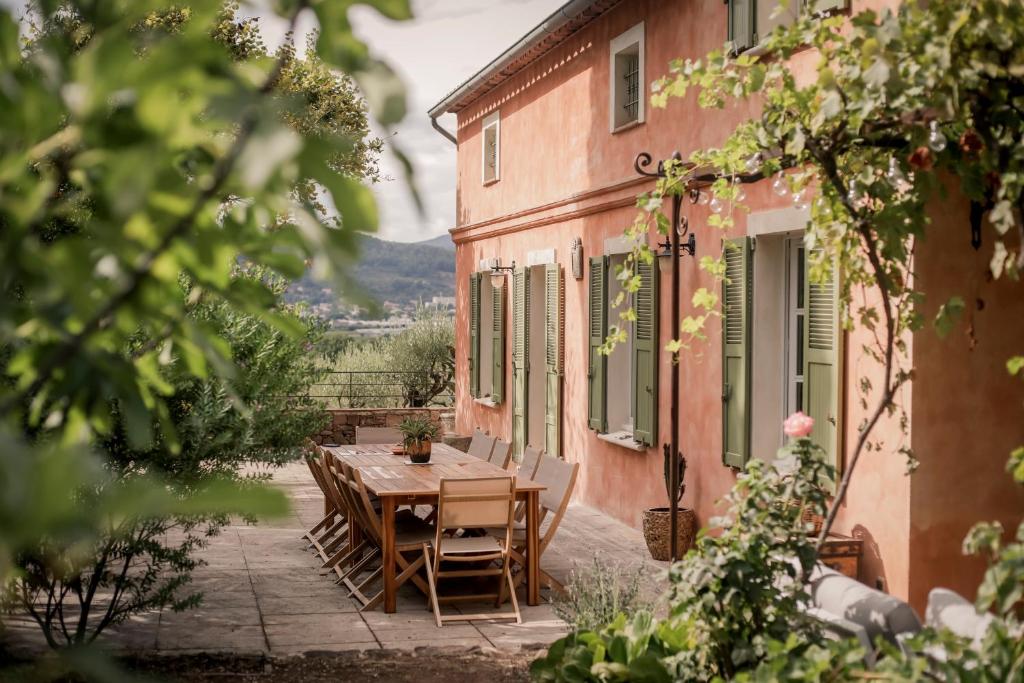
948, 316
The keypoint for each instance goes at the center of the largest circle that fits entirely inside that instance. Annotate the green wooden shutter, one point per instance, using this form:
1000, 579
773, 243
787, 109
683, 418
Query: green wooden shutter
597, 372
817, 6
823, 353
553, 354
645, 354
498, 342
520, 357
741, 23
474, 335
737, 297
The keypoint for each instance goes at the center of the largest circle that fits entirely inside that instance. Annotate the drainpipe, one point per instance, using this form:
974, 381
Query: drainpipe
440, 129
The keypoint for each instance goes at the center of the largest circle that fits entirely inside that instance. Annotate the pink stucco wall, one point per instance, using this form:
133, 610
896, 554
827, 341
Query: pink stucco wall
564, 175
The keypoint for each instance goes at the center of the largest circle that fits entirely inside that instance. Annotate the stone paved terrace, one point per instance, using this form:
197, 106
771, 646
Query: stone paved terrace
263, 594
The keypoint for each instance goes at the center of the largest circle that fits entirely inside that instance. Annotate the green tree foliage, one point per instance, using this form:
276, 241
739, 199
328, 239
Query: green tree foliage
139, 154
415, 367
731, 597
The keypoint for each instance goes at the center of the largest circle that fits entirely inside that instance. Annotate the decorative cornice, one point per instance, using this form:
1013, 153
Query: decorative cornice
459, 233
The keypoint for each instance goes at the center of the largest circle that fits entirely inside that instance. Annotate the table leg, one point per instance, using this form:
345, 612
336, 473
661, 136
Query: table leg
532, 548
390, 598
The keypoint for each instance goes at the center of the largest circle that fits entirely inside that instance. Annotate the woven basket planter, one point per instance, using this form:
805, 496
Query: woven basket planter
656, 532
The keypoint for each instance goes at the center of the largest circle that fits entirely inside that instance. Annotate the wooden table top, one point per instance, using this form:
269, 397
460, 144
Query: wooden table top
386, 474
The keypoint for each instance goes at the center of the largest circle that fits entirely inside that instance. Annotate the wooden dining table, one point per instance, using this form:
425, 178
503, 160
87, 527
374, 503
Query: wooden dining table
398, 482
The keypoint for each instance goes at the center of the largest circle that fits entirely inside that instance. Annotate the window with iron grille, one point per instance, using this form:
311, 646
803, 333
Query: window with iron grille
626, 88
491, 148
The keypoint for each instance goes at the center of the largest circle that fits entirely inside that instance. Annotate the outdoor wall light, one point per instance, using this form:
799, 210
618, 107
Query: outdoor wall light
576, 255
503, 270
688, 247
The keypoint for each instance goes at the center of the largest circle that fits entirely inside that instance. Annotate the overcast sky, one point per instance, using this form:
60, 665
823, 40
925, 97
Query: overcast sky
447, 42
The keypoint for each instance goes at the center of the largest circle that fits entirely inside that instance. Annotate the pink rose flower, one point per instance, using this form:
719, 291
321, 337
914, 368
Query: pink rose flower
798, 425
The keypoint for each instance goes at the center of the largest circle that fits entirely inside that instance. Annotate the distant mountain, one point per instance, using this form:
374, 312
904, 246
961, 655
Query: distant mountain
443, 241
398, 272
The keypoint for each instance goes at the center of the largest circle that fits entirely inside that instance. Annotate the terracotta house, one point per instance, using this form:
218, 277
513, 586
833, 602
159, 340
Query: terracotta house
547, 135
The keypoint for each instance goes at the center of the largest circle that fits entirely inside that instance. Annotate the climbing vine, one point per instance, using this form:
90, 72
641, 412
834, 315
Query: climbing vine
899, 106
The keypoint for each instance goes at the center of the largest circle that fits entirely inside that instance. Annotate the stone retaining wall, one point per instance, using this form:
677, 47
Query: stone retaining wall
344, 421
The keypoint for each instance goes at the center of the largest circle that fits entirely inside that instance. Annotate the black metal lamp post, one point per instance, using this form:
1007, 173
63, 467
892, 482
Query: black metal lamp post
675, 463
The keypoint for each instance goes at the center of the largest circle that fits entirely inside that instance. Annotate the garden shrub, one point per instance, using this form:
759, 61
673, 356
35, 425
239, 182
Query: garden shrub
596, 595
730, 598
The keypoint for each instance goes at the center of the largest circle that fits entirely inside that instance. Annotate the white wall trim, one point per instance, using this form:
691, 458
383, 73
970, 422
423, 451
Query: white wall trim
540, 257
618, 245
777, 221
619, 43
492, 120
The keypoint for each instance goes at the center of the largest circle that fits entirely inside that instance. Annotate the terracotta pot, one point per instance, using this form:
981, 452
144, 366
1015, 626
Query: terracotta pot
656, 531
419, 451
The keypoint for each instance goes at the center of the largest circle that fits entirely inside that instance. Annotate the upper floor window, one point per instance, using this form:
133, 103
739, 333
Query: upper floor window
491, 147
751, 20
626, 71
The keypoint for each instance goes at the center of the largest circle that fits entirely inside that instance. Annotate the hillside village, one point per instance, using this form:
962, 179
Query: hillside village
395, 278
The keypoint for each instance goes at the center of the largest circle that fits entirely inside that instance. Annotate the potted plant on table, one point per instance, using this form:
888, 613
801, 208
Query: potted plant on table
418, 435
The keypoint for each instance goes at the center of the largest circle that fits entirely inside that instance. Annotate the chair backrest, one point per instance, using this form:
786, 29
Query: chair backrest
333, 486
481, 445
559, 478
360, 499
378, 435
501, 455
528, 467
475, 503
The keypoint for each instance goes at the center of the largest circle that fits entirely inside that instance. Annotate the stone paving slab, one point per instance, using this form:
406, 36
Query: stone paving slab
263, 593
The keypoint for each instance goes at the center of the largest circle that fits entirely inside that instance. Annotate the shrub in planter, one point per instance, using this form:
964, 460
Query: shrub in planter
418, 434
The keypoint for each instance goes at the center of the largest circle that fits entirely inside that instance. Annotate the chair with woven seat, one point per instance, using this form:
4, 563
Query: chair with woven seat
383, 435
411, 535
481, 445
472, 503
527, 469
501, 455
559, 479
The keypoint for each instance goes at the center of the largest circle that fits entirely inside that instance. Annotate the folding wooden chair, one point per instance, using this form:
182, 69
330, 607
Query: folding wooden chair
332, 528
501, 455
354, 551
411, 535
387, 435
527, 468
481, 445
472, 503
559, 477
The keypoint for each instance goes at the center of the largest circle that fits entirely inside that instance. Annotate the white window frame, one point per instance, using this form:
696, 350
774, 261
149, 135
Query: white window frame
492, 120
795, 315
634, 37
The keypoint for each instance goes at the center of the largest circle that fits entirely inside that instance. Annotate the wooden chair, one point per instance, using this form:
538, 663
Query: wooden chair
411, 536
357, 550
473, 503
527, 469
388, 435
481, 445
559, 477
331, 530
501, 455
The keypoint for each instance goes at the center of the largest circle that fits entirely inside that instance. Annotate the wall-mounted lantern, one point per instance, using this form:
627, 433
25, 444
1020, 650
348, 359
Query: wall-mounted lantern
576, 254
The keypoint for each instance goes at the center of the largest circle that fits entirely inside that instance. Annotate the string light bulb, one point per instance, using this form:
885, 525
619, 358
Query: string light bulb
779, 185
936, 140
800, 200
753, 162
